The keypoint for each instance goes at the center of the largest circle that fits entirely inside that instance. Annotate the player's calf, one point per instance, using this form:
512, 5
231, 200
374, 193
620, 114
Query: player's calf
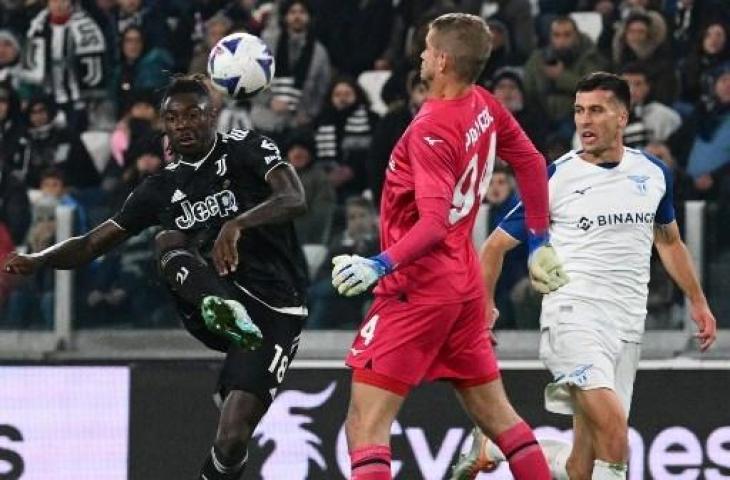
608, 426
369, 418
240, 414
488, 405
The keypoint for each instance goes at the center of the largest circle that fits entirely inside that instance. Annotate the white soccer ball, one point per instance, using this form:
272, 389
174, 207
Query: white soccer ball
240, 65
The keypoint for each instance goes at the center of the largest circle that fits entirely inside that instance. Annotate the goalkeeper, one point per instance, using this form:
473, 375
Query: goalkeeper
427, 320
608, 205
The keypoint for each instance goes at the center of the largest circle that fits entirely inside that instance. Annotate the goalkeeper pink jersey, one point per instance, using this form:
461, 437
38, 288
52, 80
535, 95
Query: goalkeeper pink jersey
448, 153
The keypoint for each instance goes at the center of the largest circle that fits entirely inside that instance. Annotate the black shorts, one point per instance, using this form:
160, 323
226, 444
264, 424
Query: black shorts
259, 372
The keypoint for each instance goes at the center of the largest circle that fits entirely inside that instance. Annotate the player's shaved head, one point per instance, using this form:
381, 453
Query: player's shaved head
466, 39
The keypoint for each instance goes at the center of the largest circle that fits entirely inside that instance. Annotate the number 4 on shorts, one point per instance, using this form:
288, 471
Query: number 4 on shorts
368, 330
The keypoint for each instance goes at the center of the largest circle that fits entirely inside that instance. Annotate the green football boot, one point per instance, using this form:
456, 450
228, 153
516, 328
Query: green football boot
230, 319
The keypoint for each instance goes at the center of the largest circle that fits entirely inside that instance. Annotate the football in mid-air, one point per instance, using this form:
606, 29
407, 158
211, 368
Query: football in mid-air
240, 65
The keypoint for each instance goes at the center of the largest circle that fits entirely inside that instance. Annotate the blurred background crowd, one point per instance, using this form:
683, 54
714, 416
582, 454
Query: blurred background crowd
80, 82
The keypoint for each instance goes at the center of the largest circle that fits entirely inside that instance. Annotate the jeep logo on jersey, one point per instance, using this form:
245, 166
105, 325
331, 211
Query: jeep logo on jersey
220, 204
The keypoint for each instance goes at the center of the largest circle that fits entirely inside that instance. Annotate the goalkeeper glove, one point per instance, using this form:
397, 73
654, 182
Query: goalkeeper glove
546, 270
353, 274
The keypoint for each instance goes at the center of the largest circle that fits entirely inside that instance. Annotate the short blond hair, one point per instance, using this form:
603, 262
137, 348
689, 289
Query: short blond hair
467, 39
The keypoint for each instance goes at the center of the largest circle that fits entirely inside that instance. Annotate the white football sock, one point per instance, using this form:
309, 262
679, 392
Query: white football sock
608, 471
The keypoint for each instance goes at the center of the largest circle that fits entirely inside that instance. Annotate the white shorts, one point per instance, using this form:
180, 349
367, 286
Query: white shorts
585, 357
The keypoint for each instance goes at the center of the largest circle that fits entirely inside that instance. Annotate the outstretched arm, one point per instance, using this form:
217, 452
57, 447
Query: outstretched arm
71, 253
286, 202
678, 262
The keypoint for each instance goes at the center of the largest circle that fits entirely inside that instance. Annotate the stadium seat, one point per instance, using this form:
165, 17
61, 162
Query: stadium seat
97, 143
372, 82
315, 254
589, 23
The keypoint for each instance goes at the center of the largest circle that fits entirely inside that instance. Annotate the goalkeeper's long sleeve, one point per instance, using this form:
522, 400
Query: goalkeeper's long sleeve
429, 230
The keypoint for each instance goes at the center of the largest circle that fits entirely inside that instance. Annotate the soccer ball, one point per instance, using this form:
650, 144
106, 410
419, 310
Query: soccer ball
240, 65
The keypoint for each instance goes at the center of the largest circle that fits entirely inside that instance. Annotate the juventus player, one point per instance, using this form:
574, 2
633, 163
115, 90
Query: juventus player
608, 205
225, 198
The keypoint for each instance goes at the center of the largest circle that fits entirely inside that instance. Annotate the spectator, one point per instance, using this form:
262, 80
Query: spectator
328, 309
516, 16
610, 17
683, 185
17, 14
709, 159
53, 187
10, 123
389, 130
314, 226
45, 144
649, 121
302, 73
144, 157
627, 7
356, 34
66, 56
33, 299
642, 38
216, 27
501, 55
9, 59
686, 18
14, 204
145, 17
139, 121
711, 49
233, 114
509, 90
140, 67
552, 72
343, 135
246, 17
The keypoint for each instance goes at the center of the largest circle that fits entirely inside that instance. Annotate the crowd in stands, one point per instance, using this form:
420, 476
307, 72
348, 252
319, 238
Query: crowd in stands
80, 83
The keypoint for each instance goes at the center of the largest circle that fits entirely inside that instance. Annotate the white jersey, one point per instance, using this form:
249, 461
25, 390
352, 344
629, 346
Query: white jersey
602, 219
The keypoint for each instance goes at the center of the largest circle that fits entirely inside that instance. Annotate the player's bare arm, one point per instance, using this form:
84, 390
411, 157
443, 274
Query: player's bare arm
491, 257
71, 253
678, 262
287, 201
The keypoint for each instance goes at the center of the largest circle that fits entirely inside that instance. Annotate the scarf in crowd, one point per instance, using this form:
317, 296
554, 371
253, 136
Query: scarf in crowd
340, 130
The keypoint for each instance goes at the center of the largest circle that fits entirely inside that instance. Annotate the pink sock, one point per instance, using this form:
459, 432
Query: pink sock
371, 462
526, 460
